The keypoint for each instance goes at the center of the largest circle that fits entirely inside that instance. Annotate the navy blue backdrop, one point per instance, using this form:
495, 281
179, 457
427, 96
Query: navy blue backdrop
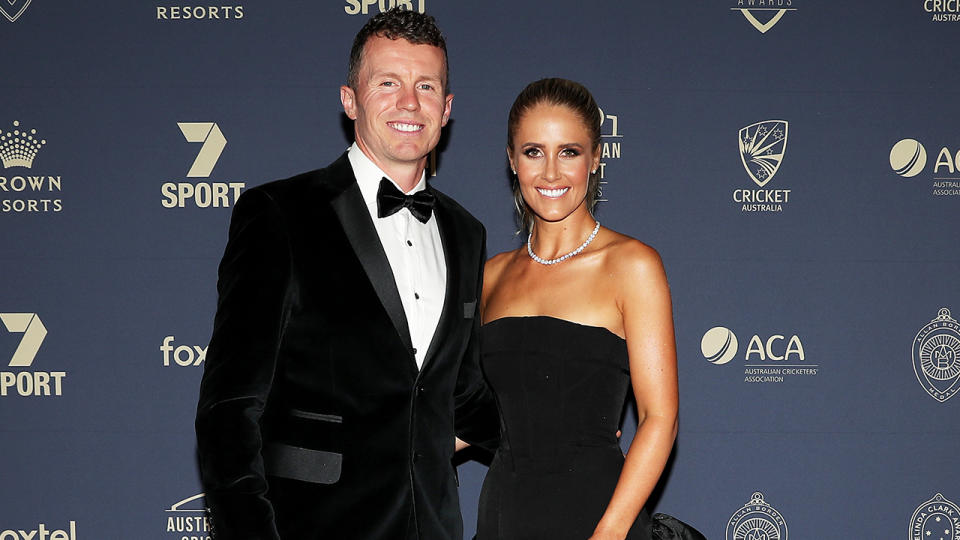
795, 163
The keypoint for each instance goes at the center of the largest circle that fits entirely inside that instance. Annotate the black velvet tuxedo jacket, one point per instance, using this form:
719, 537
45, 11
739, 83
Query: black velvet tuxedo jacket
314, 421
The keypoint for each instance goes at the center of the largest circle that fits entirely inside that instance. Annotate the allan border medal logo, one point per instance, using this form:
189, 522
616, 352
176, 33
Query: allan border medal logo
935, 351
756, 520
936, 519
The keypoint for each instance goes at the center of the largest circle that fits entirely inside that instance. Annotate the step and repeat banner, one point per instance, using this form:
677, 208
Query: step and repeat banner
795, 163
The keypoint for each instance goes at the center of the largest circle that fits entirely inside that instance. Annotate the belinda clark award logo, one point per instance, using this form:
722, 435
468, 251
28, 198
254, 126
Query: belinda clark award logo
763, 146
936, 519
935, 351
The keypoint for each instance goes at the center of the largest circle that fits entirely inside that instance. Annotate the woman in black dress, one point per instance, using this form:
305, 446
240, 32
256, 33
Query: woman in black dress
574, 320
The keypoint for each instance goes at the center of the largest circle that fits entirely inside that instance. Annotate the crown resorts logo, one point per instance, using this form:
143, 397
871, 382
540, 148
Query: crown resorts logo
757, 520
187, 519
762, 148
202, 194
199, 13
936, 519
942, 10
363, 7
609, 148
908, 157
935, 356
19, 148
13, 9
766, 360
763, 14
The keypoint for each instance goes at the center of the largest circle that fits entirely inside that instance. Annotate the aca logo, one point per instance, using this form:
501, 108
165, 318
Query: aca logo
609, 148
762, 148
769, 359
942, 10
757, 520
187, 519
28, 383
18, 150
182, 355
937, 518
362, 7
908, 157
202, 194
935, 356
13, 9
763, 14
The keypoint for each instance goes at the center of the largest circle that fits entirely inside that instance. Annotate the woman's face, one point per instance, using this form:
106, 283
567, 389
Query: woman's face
553, 156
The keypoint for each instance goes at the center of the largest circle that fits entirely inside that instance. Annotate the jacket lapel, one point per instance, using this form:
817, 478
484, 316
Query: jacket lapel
360, 231
449, 240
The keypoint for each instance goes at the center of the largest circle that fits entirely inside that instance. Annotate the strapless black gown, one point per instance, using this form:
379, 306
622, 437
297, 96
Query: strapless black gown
561, 388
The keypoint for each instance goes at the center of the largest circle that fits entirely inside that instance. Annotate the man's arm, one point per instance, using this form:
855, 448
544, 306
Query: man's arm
477, 421
239, 370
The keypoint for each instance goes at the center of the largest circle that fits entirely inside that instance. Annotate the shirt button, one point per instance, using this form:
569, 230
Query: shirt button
416, 295
409, 243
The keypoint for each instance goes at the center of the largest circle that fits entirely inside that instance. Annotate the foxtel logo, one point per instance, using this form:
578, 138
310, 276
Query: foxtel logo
41, 533
28, 383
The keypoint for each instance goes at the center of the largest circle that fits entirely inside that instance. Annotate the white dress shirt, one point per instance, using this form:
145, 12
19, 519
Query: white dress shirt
414, 251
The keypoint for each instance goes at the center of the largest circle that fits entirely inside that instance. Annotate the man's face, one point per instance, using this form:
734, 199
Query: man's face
399, 104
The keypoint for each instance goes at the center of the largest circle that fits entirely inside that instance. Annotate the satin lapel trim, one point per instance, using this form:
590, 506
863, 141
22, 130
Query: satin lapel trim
449, 242
359, 228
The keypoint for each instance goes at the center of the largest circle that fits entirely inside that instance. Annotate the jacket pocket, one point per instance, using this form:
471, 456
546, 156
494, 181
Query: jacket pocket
304, 464
334, 418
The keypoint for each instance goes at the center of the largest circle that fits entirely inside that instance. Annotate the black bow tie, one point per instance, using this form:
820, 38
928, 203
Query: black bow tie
390, 200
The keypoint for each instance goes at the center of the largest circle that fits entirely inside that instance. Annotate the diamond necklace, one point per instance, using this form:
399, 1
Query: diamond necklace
563, 257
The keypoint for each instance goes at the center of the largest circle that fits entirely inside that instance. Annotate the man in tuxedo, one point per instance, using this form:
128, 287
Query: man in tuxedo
343, 360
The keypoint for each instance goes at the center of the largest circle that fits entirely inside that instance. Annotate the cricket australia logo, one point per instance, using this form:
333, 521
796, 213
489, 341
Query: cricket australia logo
935, 351
935, 519
13, 9
756, 520
762, 146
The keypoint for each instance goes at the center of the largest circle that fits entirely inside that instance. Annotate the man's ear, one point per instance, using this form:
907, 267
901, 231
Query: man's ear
448, 103
348, 99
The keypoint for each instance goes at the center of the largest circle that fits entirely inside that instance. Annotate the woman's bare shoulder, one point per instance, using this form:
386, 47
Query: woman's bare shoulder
631, 257
498, 262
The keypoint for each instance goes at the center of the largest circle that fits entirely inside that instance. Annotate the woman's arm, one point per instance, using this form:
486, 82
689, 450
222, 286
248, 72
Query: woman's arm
644, 303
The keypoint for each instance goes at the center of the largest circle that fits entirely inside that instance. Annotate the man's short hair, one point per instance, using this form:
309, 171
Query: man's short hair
396, 23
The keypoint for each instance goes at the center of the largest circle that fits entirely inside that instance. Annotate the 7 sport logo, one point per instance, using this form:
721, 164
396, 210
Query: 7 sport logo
28, 383
203, 194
